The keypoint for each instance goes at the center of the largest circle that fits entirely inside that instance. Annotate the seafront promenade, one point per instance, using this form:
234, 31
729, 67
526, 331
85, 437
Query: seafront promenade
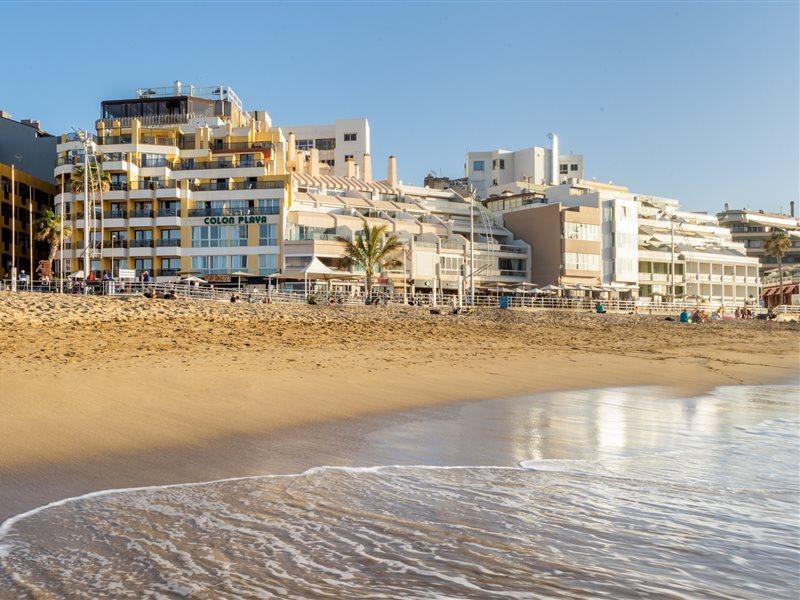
527, 299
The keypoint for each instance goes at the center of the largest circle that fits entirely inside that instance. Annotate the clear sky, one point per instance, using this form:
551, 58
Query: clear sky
695, 101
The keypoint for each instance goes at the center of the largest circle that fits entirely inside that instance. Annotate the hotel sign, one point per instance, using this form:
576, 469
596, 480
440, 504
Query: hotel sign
240, 220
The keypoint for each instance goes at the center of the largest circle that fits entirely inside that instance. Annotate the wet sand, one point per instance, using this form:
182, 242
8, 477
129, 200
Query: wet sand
98, 393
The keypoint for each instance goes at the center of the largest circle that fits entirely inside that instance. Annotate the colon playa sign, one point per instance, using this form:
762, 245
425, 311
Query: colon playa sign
241, 220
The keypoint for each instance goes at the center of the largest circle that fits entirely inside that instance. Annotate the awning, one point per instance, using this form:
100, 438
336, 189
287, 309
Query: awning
769, 292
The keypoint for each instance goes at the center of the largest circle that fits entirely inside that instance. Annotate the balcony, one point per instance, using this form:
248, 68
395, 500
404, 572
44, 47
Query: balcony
240, 146
114, 139
233, 212
169, 212
162, 162
237, 185
113, 214
168, 272
232, 243
116, 243
157, 141
141, 243
168, 242
142, 213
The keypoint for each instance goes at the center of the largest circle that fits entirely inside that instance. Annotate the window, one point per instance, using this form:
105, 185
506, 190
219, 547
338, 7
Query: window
348, 157
171, 264
477, 165
350, 137
330, 162
238, 263
143, 264
268, 206
502, 163
581, 231
143, 234
268, 235
325, 143
304, 144
573, 167
267, 264
238, 235
563, 169
581, 262
494, 181
170, 234
450, 265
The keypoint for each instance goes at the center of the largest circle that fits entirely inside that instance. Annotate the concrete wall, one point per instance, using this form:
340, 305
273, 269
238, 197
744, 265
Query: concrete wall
540, 227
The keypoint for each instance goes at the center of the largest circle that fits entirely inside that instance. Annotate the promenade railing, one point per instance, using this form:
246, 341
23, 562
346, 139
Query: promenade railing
320, 297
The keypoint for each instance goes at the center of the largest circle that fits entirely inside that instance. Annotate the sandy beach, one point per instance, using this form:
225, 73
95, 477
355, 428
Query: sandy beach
93, 388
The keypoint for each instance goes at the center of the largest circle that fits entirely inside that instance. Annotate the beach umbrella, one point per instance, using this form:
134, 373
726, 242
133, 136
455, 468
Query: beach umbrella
192, 279
239, 275
76, 275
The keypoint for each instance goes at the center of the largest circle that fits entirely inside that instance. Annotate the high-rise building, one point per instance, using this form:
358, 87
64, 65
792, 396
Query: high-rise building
26, 159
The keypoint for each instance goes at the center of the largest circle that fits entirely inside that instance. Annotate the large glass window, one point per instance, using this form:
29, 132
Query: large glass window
268, 235
267, 264
581, 231
304, 144
581, 262
477, 165
325, 143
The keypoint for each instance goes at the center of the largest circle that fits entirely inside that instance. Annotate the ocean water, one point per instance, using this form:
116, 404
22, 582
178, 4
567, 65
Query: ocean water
622, 494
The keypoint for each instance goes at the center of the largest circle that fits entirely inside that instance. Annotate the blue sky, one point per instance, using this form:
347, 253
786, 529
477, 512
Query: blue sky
696, 101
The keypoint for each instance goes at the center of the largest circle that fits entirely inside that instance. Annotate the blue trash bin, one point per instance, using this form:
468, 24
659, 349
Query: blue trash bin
503, 301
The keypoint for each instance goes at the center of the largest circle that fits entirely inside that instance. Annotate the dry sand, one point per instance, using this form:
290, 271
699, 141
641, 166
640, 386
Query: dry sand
82, 379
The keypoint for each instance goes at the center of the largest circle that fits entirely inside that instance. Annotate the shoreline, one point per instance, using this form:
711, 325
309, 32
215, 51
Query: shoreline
367, 424
102, 393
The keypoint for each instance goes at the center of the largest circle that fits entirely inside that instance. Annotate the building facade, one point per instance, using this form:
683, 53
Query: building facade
336, 143
196, 186
565, 242
493, 172
200, 186
30, 151
753, 227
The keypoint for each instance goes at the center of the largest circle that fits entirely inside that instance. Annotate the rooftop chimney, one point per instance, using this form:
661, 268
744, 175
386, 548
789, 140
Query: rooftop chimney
791, 208
726, 207
291, 152
391, 172
349, 167
553, 158
367, 174
313, 167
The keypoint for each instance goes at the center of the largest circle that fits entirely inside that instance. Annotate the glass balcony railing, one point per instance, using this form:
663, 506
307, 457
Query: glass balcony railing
168, 242
142, 213
141, 243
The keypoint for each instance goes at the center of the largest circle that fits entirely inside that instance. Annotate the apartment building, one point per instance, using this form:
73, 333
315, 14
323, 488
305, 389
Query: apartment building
196, 186
690, 255
30, 151
434, 226
494, 172
337, 143
200, 186
641, 246
565, 242
752, 227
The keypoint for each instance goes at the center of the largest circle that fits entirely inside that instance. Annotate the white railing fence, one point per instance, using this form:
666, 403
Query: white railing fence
445, 302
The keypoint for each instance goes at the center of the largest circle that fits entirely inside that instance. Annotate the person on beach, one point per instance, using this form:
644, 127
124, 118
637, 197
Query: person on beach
600, 308
22, 278
92, 276
106, 276
684, 316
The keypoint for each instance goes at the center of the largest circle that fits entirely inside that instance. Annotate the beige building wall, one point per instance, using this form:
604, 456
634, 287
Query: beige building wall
542, 227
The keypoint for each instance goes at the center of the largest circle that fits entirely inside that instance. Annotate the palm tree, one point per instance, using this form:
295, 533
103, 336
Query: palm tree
98, 179
777, 245
371, 251
49, 228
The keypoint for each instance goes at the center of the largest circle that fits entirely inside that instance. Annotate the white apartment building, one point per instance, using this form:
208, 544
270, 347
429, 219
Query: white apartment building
690, 255
618, 228
336, 143
495, 172
652, 250
434, 226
